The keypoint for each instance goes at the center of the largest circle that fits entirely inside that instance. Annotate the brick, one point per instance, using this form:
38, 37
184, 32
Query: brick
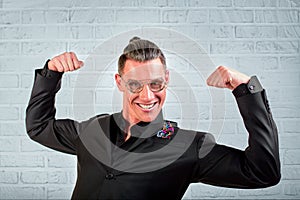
56, 16
21, 4
80, 32
289, 141
29, 63
28, 145
31, 32
12, 128
43, 177
201, 95
9, 144
9, 81
79, 3
62, 111
256, 31
221, 60
266, 193
176, 64
80, 96
235, 47
292, 189
9, 97
285, 110
26, 81
289, 31
231, 16
72, 176
289, 3
254, 3
276, 16
180, 96
84, 112
92, 81
220, 32
33, 17
61, 161
250, 64
9, 113
209, 3
84, 48
111, 96
273, 94
21, 161
174, 16
185, 48
69, 32
185, 81
34, 177
167, 3
9, 17
205, 191
288, 94
59, 192
240, 141
277, 47
22, 32
91, 16
43, 48
187, 112
44, 16
9, 48
291, 173
58, 177
290, 63
9, 177
291, 157
291, 126
138, 16
22, 192
104, 32
197, 16
9, 32
133, 3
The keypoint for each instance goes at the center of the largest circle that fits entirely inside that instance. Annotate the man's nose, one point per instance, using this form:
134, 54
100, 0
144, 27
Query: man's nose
146, 93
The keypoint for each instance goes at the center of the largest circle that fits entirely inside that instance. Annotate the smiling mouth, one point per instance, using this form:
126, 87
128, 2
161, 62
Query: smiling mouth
146, 106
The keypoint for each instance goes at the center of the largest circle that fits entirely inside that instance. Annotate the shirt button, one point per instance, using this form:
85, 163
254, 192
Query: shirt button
251, 87
109, 176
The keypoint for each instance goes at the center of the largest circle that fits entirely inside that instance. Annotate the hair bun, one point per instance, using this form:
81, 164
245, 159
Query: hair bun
134, 39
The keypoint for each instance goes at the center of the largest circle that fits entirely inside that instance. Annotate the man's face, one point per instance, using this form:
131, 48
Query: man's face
146, 103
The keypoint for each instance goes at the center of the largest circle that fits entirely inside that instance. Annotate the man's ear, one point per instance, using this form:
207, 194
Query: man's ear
118, 82
167, 76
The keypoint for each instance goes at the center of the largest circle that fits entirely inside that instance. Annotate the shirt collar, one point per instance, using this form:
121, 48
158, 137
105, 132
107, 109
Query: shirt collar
141, 129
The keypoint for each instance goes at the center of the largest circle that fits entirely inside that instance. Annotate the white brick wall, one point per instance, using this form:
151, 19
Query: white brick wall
254, 36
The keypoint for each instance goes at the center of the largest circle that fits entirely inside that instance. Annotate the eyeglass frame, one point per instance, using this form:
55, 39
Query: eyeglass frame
142, 83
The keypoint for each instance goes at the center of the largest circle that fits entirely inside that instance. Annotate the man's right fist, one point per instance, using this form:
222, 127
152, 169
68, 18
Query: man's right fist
65, 62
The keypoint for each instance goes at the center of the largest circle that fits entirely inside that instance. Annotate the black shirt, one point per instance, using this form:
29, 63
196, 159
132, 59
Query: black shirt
147, 166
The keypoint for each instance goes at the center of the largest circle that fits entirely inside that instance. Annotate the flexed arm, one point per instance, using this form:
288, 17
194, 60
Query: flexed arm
258, 165
41, 124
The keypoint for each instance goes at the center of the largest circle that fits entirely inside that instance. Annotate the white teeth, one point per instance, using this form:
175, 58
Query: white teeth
146, 106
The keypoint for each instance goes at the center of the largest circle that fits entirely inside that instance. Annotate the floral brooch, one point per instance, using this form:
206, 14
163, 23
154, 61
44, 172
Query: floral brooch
167, 131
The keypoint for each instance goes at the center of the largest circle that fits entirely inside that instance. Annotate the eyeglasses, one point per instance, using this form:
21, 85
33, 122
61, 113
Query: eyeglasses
135, 86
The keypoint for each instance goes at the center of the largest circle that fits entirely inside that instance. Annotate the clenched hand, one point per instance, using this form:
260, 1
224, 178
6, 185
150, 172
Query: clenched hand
65, 62
224, 77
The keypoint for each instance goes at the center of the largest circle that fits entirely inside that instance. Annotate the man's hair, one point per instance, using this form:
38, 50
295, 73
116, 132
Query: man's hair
140, 50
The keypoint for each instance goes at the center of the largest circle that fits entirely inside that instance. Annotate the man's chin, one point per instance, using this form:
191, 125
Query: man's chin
149, 117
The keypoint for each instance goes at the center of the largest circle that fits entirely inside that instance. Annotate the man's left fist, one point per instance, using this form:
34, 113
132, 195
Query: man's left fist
224, 77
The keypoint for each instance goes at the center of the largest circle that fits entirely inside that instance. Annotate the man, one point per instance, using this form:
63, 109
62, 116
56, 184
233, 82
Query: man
136, 154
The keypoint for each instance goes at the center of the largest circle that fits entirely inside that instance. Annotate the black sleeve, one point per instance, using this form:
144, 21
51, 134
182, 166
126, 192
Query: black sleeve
41, 124
255, 167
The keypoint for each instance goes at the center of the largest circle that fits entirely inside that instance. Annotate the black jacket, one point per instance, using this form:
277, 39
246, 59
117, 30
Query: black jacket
151, 167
